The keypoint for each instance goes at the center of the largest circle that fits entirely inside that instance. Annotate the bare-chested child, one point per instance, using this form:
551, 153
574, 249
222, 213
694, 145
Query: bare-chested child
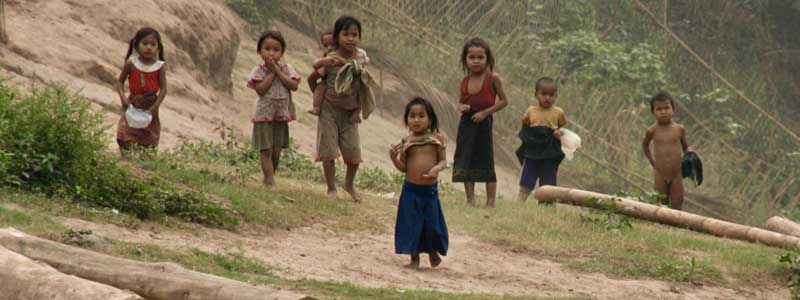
669, 145
420, 226
318, 88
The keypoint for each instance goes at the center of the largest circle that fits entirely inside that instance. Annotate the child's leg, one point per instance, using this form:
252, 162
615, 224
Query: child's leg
276, 158
527, 180
267, 167
414, 264
329, 171
491, 193
349, 181
676, 193
469, 188
434, 259
548, 172
661, 186
523, 194
319, 93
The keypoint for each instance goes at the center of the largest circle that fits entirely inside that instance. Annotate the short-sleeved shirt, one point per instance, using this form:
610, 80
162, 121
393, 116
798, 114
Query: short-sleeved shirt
344, 101
552, 117
276, 104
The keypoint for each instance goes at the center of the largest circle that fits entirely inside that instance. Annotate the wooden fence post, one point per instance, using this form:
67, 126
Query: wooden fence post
3, 35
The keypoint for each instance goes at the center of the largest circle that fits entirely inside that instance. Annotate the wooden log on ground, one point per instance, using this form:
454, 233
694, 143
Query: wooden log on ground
783, 225
666, 215
26, 279
153, 281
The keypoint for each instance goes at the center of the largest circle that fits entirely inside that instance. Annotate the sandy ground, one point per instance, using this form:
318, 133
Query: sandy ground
471, 266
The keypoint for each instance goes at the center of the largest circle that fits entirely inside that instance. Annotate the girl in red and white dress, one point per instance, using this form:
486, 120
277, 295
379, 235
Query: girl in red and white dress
147, 80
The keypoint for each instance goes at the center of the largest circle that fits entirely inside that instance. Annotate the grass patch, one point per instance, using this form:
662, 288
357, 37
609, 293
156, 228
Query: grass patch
643, 250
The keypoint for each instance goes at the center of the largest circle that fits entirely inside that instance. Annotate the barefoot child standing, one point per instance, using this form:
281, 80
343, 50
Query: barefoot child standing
147, 79
420, 226
273, 81
348, 96
669, 144
540, 153
474, 157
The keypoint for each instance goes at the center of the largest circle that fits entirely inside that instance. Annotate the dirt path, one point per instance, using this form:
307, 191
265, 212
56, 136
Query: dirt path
471, 266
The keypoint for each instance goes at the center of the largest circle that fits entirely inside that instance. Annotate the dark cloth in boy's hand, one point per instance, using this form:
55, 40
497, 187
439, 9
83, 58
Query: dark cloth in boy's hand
692, 167
538, 142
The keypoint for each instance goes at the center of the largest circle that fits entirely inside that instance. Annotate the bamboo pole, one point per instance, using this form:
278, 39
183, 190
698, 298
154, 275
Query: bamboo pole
153, 281
666, 215
719, 77
23, 278
783, 225
3, 35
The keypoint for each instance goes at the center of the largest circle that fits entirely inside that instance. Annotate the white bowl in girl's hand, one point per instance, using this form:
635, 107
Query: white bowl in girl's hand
138, 118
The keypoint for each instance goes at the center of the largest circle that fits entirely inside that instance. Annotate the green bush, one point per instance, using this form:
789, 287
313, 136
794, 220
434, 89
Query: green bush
256, 12
791, 259
52, 142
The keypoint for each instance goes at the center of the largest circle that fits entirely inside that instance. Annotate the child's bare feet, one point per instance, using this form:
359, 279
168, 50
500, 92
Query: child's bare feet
414, 264
268, 183
332, 195
353, 194
435, 259
471, 201
314, 111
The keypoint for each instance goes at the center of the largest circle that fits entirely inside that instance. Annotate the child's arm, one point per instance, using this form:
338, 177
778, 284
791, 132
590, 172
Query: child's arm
684, 144
648, 137
312, 80
526, 118
263, 86
501, 102
291, 80
325, 62
441, 156
562, 121
398, 163
162, 92
120, 84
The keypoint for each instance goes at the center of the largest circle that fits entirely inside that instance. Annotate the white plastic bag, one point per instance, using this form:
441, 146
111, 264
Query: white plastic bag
570, 142
138, 118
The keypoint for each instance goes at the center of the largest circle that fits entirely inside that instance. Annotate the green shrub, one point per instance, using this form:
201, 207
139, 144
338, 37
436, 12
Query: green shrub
256, 12
792, 260
52, 142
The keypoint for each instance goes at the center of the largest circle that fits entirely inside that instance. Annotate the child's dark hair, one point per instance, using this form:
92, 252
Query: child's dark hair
272, 34
139, 36
434, 125
545, 80
477, 43
661, 96
342, 23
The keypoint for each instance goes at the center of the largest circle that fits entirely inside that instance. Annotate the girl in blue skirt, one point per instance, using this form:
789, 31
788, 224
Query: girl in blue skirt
420, 226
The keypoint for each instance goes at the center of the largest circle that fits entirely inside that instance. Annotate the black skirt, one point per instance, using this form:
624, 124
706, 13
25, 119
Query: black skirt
474, 158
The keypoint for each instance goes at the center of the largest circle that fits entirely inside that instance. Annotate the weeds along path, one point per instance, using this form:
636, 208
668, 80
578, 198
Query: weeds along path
317, 253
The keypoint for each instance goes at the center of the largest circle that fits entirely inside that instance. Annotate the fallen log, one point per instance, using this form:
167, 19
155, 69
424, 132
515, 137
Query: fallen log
26, 279
783, 225
153, 281
666, 215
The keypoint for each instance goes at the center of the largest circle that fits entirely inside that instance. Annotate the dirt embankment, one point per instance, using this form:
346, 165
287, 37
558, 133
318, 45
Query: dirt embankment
209, 54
